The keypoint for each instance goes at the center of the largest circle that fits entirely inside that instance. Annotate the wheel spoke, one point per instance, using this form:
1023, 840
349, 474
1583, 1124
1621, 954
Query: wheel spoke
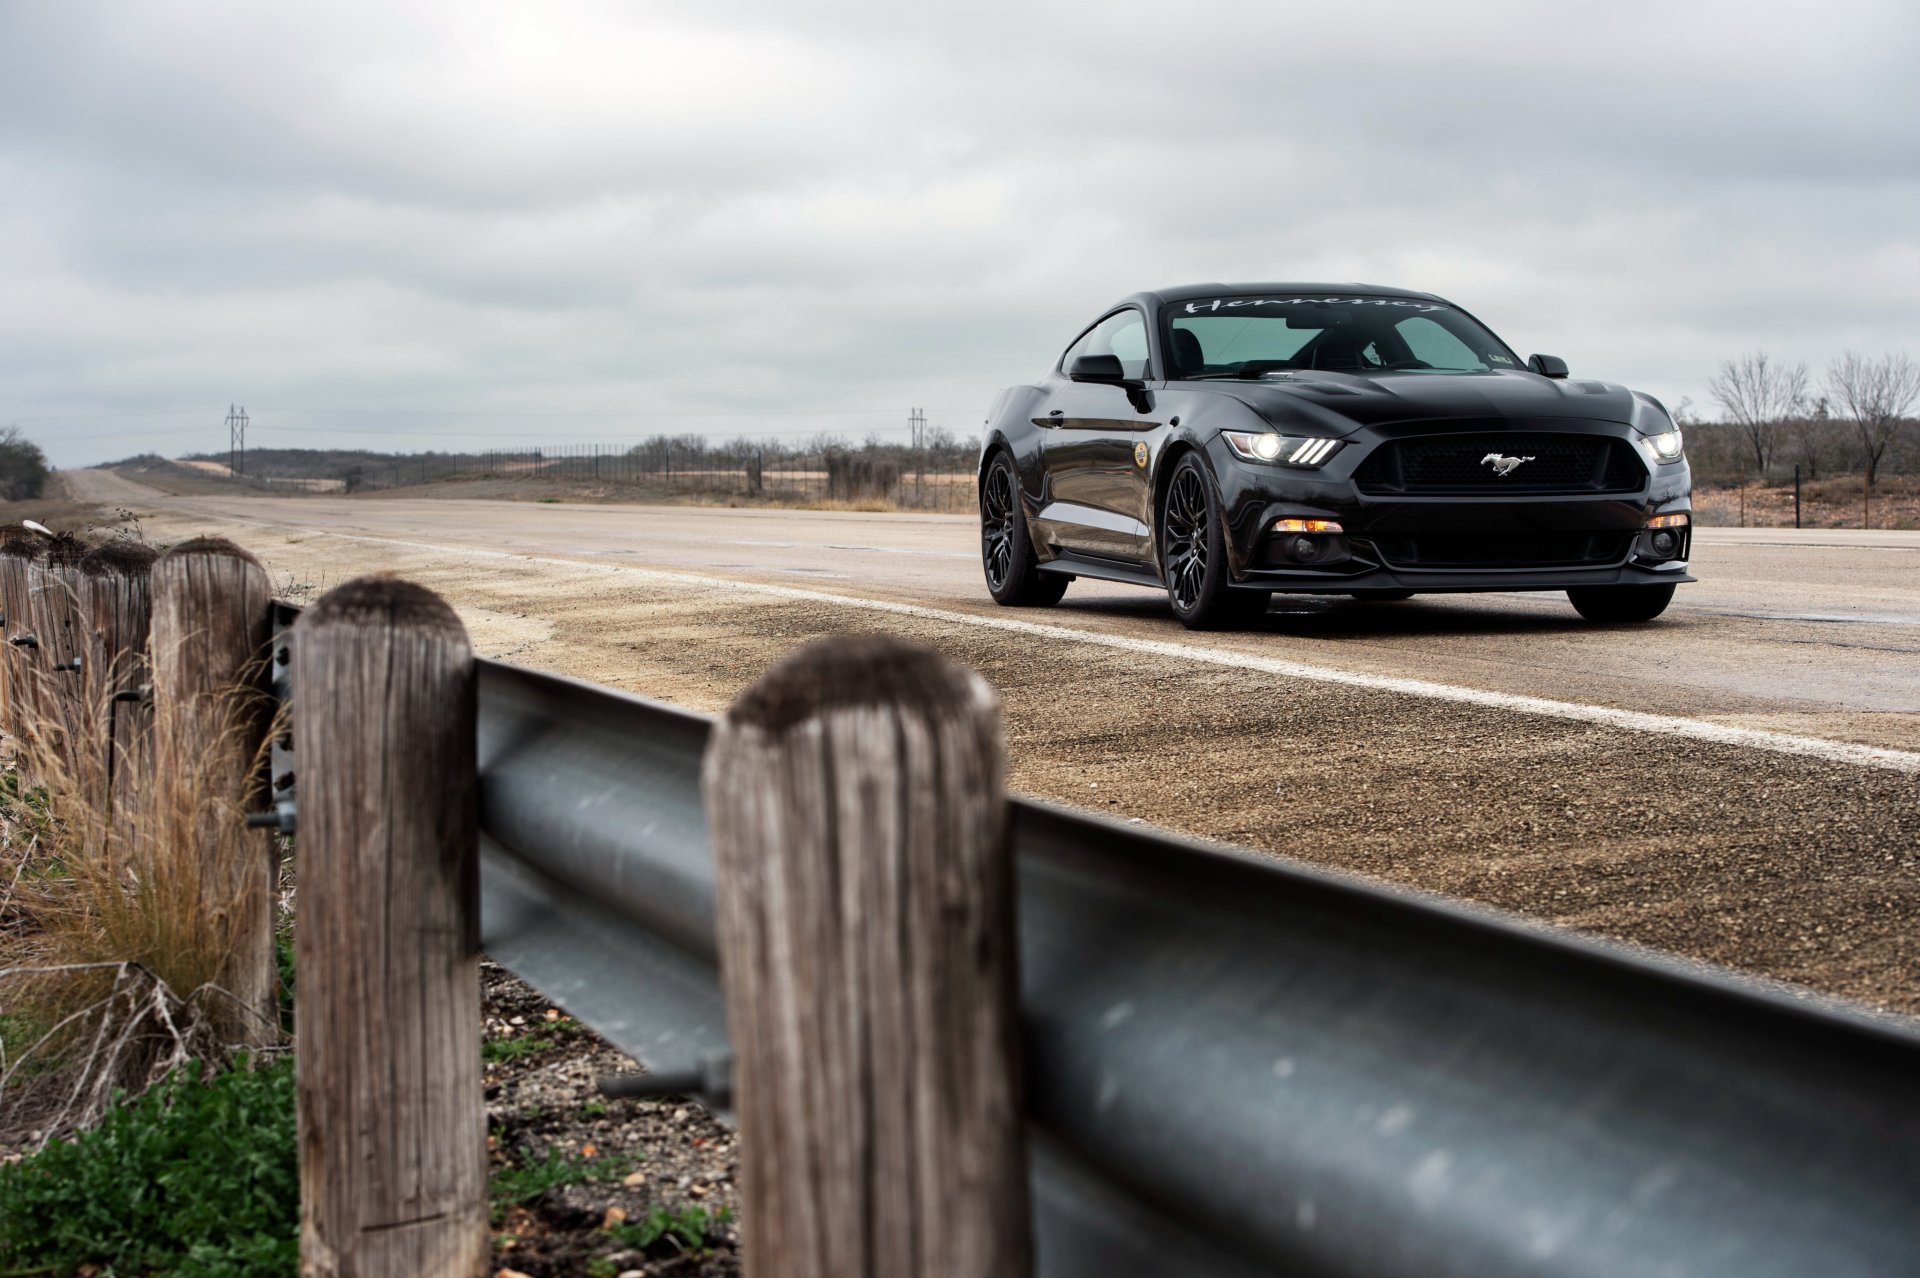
1184, 539
996, 525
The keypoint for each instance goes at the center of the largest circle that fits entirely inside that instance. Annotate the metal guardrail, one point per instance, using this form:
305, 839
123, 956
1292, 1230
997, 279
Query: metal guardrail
1245, 1067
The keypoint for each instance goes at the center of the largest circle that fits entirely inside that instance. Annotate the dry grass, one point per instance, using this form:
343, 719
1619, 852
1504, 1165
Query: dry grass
124, 898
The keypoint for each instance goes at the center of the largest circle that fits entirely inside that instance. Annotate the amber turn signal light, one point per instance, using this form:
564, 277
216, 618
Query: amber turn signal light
1306, 525
1667, 521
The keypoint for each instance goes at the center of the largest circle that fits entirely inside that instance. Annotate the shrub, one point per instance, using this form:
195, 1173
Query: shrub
194, 1179
23, 467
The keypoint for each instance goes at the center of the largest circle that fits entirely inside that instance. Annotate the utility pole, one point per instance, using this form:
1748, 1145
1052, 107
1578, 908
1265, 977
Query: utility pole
917, 422
236, 439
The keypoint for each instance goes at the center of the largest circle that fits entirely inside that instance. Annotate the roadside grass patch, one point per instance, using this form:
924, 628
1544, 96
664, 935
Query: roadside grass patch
194, 1179
506, 1046
685, 1227
526, 1175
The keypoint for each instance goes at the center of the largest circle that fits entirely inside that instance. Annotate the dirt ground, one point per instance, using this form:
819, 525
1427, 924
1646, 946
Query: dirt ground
630, 1160
1829, 503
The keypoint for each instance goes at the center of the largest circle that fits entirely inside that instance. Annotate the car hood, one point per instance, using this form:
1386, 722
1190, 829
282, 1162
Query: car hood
1340, 403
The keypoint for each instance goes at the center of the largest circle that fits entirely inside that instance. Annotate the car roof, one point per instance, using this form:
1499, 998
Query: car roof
1188, 292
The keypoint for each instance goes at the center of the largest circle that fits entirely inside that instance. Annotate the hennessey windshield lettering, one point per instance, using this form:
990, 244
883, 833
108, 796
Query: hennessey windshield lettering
1217, 303
1229, 442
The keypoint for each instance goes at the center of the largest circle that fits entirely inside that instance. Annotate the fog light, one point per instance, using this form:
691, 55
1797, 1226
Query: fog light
1664, 544
1305, 548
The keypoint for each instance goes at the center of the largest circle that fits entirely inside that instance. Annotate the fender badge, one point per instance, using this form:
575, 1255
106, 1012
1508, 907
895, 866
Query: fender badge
1140, 453
1504, 465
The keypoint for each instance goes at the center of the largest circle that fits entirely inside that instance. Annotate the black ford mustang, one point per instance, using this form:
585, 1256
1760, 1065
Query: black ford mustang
1227, 441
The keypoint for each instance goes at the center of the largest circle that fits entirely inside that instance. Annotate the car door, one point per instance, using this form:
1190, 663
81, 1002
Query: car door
1097, 486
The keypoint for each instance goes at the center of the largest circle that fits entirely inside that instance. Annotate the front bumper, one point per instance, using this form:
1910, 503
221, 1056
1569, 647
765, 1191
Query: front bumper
1452, 542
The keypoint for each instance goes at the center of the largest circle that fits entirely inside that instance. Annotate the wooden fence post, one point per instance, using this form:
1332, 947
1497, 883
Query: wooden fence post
869, 960
211, 622
58, 621
18, 547
392, 1121
119, 599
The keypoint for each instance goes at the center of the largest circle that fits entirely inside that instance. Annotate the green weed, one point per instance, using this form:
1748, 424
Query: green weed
199, 1180
686, 1226
528, 1176
531, 1042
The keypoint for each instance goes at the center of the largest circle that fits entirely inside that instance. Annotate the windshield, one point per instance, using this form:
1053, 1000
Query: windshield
1239, 338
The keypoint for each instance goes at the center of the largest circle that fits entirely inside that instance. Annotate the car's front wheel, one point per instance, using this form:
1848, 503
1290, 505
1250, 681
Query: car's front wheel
1620, 603
1006, 550
1193, 555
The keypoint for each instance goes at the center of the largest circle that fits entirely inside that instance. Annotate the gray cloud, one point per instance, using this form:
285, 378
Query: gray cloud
431, 213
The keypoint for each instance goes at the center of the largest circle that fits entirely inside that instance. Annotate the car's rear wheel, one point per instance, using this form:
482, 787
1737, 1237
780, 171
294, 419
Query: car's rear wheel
1006, 550
1193, 555
1621, 603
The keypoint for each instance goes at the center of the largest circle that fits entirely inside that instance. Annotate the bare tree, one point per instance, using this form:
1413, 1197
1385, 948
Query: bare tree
1760, 397
1815, 439
1875, 394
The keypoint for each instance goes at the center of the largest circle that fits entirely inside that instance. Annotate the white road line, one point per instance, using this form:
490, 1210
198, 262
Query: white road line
1608, 716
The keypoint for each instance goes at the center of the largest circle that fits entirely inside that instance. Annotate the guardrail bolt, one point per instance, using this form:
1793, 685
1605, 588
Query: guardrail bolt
283, 818
73, 665
24, 641
711, 1081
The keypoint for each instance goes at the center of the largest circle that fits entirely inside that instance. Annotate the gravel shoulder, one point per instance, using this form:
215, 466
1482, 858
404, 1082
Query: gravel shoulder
616, 1164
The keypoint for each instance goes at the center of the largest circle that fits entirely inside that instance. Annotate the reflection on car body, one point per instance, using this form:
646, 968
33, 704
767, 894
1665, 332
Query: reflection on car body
1227, 442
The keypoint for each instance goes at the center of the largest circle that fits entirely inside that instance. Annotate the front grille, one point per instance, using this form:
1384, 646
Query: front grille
1503, 550
1458, 464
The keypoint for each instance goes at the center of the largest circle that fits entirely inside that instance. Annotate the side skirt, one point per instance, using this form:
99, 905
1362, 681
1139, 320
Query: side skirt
1078, 565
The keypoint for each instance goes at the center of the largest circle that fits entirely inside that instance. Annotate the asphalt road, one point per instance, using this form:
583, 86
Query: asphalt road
1738, 782
1814, 633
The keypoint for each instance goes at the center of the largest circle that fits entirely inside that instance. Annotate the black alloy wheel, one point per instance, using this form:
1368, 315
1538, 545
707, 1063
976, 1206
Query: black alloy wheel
1006, 551
1618, 604
1193, 555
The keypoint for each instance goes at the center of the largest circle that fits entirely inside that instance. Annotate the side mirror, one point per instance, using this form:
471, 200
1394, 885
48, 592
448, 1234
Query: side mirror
1097, 368
1549, 366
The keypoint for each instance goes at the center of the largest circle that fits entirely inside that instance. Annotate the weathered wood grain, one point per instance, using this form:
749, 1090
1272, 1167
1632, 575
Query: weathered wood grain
392, 1124
211, 624
118, 580
855, 799
58, 618
18, 547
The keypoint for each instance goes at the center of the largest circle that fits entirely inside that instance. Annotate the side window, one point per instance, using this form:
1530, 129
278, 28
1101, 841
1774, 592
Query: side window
1124, 333
1435, 346
1128, 340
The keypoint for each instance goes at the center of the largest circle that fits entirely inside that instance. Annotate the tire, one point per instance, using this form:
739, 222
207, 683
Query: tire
1615, 604
1012, 569
1193, 555
1381, 596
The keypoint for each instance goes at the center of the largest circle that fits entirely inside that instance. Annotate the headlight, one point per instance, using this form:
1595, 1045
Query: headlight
1286, 450
1664, 447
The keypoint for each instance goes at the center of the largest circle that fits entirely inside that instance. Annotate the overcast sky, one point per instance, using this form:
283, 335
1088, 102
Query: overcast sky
460, 224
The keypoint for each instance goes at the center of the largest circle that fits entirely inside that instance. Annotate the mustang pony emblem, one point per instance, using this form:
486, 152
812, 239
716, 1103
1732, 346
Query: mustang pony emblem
1503, 465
